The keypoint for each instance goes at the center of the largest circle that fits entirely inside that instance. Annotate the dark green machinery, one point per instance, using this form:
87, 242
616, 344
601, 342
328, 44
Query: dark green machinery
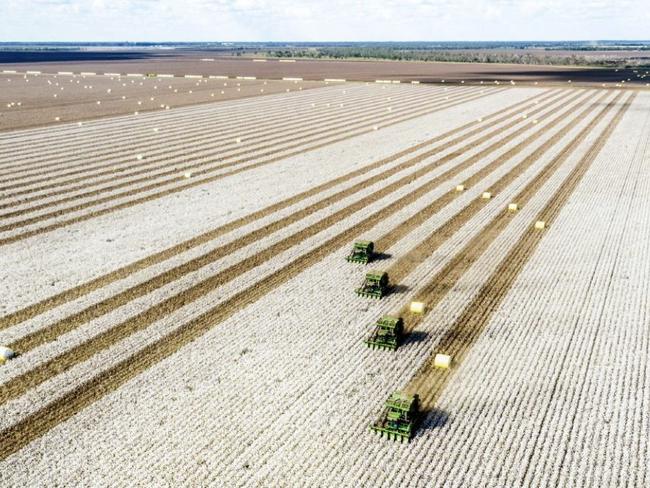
387, 334
362, 252
375, 285
398, 421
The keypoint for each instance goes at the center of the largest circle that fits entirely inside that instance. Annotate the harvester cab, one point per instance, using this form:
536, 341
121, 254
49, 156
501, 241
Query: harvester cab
375, 285
362, 252
387, 333
399, 418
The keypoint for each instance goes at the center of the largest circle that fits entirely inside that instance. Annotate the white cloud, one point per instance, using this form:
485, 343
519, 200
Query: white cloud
205, 20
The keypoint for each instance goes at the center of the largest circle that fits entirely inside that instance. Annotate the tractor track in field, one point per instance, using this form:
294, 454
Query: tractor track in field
196, 182
408, 262
223, 152
41, 421
81, 290
429, 381
178, 120
198, 134
72, 322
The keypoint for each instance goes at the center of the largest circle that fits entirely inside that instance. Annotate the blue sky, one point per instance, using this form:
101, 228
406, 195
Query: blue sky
322, 20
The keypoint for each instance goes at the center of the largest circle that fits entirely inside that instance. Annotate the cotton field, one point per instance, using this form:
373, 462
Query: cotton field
179, 301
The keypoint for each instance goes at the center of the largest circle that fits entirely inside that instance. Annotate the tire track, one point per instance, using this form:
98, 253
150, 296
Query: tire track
206, 149
182, 139
344, 135
407, 263
468, 327
63, 326
81, 290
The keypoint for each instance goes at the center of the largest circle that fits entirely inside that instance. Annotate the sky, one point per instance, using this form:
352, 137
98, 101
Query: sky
322, 20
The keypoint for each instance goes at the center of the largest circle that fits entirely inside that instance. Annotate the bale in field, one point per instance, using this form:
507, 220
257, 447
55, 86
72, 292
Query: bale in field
6, 354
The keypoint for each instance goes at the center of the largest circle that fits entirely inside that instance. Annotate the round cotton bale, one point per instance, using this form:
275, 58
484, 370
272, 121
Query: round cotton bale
139, 157
187, 175
513, 207
442, 361
540, 224
6, 354
238, 140
57, 118
417, 307
486, 195
460, 188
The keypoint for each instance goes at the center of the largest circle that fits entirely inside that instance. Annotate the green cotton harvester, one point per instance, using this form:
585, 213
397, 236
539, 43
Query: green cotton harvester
375, 285
362, 252
387, 334
399, 417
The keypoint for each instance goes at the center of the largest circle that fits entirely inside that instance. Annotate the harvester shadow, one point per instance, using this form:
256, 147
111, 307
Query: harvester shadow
415, 336
397, 289
430, 420
381, 256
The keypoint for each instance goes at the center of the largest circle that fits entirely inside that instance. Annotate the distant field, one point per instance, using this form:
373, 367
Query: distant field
189, 62
175, 284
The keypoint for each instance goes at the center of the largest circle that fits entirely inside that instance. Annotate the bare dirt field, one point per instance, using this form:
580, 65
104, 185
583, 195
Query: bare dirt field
176, 290
33, 100
207, 63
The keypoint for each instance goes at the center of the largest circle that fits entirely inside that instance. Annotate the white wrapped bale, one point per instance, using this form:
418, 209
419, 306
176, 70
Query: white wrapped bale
442, 361
6, 354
